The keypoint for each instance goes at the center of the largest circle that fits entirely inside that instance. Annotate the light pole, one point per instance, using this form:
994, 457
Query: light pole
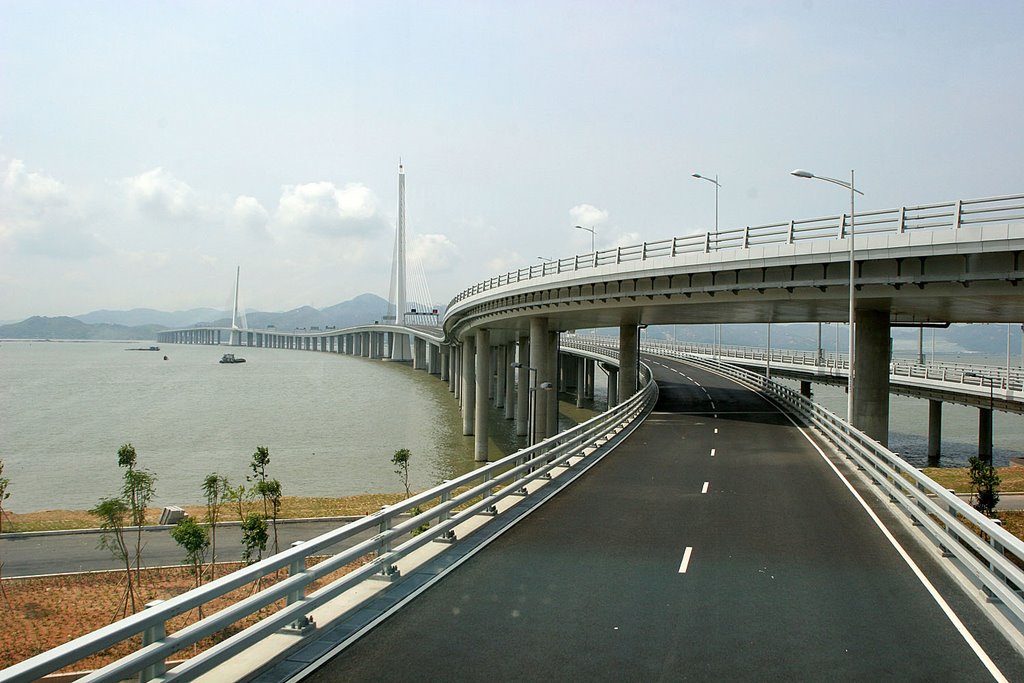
800, 173
593, 234
717, 187
531, 403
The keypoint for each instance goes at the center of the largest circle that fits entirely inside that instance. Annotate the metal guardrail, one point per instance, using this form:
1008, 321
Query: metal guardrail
926, 217
475, 492
983, 377
989, 556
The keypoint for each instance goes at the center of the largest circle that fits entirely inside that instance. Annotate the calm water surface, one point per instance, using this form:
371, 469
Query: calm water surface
332, 422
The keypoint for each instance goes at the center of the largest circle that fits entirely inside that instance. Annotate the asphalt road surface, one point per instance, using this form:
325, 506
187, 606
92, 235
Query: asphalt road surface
716, 543
62, 553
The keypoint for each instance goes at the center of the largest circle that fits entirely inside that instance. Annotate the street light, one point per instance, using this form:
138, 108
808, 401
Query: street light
717, 187
592, 236
531, 406
800, 173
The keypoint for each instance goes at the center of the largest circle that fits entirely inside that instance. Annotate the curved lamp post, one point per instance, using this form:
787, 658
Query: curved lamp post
717, 187
592, 235
800, 173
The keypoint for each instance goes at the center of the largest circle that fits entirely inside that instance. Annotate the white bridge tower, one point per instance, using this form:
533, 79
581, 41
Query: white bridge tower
397, 304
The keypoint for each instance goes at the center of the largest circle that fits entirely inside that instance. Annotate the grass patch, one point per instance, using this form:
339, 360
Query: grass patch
292, 507
958, 478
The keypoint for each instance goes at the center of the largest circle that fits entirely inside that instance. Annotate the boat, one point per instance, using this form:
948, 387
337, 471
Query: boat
144, 348
230, 358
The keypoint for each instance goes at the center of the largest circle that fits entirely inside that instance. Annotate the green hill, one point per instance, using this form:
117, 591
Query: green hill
63, 327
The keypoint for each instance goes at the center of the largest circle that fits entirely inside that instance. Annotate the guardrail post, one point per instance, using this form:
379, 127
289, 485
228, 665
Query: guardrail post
1000, 550
388, 571
298, 566
153, 634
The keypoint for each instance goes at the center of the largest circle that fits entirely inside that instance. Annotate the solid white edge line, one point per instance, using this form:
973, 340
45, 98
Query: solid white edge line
685, 564
947, 610
704, 489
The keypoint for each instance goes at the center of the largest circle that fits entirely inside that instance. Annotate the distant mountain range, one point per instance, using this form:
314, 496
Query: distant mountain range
144, 323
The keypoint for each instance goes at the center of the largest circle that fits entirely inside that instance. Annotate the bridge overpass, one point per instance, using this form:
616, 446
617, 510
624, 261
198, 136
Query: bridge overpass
955, 262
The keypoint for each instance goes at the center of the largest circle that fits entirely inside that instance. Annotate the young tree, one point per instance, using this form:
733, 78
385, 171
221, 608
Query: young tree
4, 495
984, 486
113, 514
238, 496
254, 537
401, 462
268, 489
194, 540
139, 489
215, 488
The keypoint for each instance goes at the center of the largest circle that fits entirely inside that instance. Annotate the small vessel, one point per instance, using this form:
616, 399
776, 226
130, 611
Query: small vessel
230, 358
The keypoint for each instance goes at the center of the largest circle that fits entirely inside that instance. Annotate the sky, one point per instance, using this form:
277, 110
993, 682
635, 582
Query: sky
149, 148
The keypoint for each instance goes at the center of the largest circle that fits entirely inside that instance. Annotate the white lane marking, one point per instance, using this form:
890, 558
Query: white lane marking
685, 564
707, 484
716, 430
943, 605
712, 452
713, 407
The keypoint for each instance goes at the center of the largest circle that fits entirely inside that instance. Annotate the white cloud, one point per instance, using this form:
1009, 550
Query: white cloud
628, 239
587, 215
434, 253
248, 216
30, 189
324, 209
158, 194
38, 217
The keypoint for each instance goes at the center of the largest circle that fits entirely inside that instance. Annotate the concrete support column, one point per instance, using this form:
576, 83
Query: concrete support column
934, 432
468, 384
523, 388
539, 360
588, 389
871, 375
444, 353
456, 380
483, 384
985, 434
510, 382
627, 361
581, 380
805, 388
554, 374
501, 366
613, 387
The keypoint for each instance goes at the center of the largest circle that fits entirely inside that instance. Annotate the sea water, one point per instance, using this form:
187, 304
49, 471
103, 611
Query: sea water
332, 422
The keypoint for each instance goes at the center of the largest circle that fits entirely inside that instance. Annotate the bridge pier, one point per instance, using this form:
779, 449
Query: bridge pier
523, 388
510, 382
468, 384
934, 432
613, 386
501, 370
805, 388
483, 384
628, 360
553, 375
589, 365
539, 355
870, 384
581, 381
985, 434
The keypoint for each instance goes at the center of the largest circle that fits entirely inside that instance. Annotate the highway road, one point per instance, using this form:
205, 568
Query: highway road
716, 543
35, 554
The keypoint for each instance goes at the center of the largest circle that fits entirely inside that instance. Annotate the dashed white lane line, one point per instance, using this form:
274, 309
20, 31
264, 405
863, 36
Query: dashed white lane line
707, 485
716, 430
712, 452
685, 564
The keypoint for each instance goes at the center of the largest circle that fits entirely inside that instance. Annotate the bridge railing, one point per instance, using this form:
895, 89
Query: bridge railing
989, 556
445, 507
953, 215
973, 375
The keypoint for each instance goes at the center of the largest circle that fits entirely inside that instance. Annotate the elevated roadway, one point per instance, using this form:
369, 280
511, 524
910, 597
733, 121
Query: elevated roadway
717, 542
